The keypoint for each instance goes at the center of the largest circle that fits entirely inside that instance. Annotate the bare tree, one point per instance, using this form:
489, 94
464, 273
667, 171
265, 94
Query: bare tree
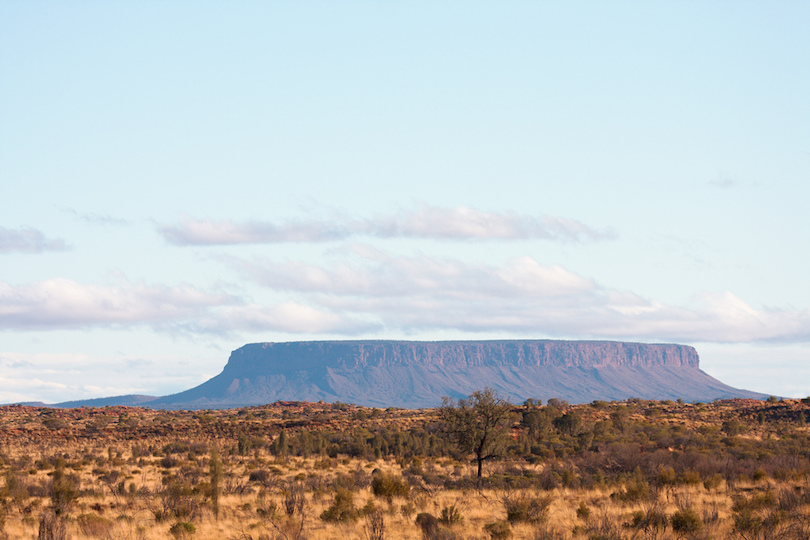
479, 424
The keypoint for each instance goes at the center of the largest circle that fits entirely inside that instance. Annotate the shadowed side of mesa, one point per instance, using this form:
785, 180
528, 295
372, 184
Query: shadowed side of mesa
415, 374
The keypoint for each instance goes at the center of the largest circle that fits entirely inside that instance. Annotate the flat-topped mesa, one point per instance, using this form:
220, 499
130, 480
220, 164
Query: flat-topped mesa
317, 355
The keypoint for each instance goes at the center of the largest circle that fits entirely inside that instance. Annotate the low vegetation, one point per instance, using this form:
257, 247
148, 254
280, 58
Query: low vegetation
620, 470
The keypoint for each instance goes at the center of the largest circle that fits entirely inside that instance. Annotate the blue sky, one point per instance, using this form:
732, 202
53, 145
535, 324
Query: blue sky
178, 179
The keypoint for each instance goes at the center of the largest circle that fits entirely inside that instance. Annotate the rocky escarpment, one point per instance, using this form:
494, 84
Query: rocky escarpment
457, 354
419, 374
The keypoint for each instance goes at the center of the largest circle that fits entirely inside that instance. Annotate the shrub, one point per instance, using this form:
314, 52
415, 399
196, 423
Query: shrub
342, 508
52, 527
388, 486
713, 482
549, 533
690, 478
685, 522
637, 490
666, 476
499, 530
294, 500
431, 530
407, 509
94, 525
451, 516
375, 526
428, 524
651, 522
526, 508
64, 490
759, 475
182, 529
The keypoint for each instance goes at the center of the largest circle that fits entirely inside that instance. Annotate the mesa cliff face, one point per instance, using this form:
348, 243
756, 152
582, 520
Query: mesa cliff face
457, 354
418, 374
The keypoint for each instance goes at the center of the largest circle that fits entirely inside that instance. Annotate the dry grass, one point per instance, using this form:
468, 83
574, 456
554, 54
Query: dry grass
119, 462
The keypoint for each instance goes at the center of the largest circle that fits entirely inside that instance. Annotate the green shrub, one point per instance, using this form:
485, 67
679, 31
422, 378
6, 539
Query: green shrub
182, 529
451, 516
759, 475
431, 530
685, 522
499, 530
342, 508
388, 486
652, 522
713, 482
690, 478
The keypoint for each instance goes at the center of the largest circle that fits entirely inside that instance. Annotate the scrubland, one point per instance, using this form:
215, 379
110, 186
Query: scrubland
633, 469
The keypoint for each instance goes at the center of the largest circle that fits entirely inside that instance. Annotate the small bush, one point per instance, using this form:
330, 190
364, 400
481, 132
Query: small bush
388, 486
182, 529
342, 508
523, 508
686, 522
52, 527
499, 530
651, 522
427, 523
545, 532
690, 478
451, 516
94, 525
431, 530
375, 526
713, 482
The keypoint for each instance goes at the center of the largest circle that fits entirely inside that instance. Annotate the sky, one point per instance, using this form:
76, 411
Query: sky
178, 179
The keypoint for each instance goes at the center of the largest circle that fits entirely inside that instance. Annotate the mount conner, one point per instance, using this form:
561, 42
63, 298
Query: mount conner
416, 374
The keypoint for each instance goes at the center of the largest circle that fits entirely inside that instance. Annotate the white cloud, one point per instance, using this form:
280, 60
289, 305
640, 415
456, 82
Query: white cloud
522, 296
372, 292
467, 223
57, 377
28, 240
64, 304
427, 222
291, 317
378, 275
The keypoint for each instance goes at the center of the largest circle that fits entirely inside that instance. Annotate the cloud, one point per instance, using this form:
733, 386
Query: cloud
292, 317
427, 222
59, 303
28, 240
57, 377
383, 276
418, 293
466, 223
62, 303
96, 219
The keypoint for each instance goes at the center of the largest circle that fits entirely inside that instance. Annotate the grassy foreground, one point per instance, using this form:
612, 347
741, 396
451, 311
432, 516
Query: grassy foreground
634, 469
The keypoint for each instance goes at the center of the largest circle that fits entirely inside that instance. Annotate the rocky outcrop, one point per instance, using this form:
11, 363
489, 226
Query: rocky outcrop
457, 354
418, 374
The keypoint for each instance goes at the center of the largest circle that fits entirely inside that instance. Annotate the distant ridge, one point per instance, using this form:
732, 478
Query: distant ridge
416, 374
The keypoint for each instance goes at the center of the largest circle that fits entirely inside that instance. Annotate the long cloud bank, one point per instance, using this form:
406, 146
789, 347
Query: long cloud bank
522, 296
59, 304
374, 293
427, 222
